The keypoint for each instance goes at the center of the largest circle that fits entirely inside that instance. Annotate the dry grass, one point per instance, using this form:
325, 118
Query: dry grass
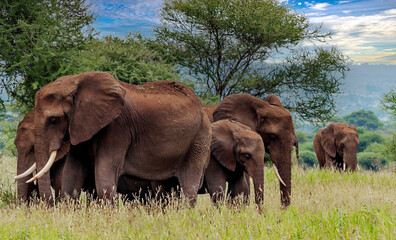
325, 205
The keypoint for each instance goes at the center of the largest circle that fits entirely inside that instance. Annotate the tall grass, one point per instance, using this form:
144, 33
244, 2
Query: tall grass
325, 205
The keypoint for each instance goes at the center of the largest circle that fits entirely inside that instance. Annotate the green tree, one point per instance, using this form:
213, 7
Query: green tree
389, 106
253, 46
363, 118
126, 58
367, 138
36, 38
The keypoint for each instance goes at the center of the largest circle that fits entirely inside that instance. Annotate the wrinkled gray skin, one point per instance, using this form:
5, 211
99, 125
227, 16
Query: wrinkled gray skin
337, 144
236, 151
155, 131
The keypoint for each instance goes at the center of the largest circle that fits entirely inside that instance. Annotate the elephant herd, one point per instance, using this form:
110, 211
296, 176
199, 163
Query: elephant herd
94, 133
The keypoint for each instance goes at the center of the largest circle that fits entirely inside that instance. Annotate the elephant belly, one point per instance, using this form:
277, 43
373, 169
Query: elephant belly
155, 162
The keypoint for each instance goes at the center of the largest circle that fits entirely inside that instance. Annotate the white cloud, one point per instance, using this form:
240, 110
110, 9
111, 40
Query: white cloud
346, 11
363, 38
319, 6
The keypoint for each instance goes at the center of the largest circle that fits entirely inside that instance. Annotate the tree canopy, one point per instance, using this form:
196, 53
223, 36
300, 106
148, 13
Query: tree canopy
36, 38
363, 118
253, 46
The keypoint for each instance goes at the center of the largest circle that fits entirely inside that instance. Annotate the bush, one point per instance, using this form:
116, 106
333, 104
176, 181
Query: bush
301, 137
371, 161
307, 146
367, 138
308, 158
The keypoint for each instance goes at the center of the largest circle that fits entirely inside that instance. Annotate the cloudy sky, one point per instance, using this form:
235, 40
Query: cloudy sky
364, 29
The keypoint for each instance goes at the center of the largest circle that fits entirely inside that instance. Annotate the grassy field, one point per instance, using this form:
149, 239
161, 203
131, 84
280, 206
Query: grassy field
325, 205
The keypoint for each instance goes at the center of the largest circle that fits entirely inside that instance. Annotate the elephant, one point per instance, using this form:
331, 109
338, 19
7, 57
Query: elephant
336, 146
209, 109
24, 142
275, 126
237, 152
153, 131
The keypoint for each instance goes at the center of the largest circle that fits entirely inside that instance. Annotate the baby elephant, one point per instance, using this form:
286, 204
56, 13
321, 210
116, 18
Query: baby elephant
237, 152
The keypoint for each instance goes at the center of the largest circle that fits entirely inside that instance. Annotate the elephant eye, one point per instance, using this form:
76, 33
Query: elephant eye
342, 145
247, 155
272, 136
52, 120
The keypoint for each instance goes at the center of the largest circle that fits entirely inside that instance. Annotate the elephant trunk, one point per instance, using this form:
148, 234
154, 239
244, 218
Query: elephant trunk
258, 182
282, 159
44, 182
350, 160
24, 190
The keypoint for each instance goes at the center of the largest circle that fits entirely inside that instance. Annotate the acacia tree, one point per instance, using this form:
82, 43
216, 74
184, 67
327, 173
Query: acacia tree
253, 46
37, 37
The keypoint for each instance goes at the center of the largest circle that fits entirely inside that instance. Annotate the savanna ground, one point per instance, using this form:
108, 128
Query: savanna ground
325, 205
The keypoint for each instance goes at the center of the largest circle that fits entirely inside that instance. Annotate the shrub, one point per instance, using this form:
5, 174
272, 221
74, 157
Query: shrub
371, 161
367, 138
308, 158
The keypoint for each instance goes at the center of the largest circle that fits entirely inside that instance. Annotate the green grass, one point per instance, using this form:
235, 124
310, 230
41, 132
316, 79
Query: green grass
325, 205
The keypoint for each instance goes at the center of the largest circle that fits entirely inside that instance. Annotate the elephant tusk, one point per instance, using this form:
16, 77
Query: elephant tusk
344, 166
26, 173
277, 174
45, 169
358, 168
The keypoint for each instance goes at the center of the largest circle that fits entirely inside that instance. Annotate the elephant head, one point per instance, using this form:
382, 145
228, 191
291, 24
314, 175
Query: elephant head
275, 126
340, 142
234, 146
26, 162
274, 100
71, 108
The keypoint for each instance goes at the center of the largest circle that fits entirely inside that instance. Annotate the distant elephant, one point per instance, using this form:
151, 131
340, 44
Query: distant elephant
26, 162
236, 151
336, 146
275, 126
154, 131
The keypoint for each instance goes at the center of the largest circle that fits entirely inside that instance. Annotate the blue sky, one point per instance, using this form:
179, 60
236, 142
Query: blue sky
365, 30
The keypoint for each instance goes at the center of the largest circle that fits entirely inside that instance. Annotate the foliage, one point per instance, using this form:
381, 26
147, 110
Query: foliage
126, 58
363, 118
371, 160
308, 158
301, 137
388, 102
390, 146
8, 129
232, 46
36, 38
368, 138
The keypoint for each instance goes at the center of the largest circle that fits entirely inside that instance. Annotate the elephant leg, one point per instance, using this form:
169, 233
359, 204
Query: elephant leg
215, 178
73, 175
240, 187
191, 175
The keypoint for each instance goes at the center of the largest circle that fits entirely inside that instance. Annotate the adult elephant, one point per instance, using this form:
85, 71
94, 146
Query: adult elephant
26, 162
25, 141
153, 131
336, 146
236, 151
275, 126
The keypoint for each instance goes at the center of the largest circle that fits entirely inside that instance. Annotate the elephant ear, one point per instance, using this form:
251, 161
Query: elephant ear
222, 146
273, 100
98, 100
328, 140
239, 107
353, 127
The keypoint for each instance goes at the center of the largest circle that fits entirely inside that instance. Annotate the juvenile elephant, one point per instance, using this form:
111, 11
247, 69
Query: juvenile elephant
275, 126
154, 131
236, 151
336, 146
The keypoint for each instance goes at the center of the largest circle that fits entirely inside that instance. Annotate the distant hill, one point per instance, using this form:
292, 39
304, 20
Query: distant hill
364, 85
